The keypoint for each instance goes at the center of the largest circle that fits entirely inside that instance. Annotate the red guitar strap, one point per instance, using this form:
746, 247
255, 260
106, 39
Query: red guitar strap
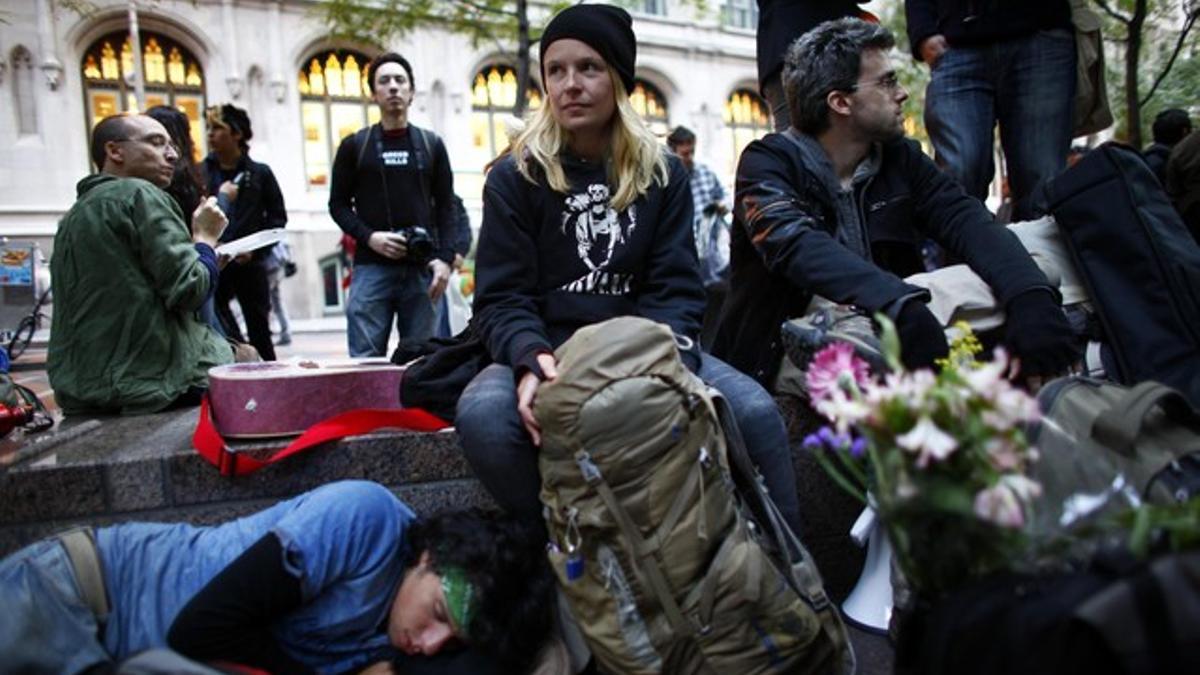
212, 447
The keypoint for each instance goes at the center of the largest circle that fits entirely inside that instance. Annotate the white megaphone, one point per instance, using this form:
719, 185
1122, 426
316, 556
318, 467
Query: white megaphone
869, 605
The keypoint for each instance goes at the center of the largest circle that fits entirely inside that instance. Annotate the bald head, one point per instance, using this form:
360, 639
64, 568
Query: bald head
134, 146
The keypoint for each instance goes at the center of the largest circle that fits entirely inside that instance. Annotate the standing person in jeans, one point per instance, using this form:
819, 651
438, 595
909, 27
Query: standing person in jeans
392, 191
253, 201
1011, 63
588, 218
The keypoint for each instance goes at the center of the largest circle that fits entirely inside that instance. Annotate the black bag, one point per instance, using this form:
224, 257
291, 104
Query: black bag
1139, 263
439, 369
1119, 616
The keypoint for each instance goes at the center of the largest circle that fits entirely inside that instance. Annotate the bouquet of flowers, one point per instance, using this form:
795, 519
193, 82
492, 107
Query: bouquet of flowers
941, 457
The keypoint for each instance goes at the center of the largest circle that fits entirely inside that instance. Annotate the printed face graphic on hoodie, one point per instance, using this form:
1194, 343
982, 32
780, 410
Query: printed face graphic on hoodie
598, 231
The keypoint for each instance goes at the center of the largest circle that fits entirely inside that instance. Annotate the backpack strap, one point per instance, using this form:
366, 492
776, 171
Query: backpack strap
801, 571
643, 551
362, 138
421, 144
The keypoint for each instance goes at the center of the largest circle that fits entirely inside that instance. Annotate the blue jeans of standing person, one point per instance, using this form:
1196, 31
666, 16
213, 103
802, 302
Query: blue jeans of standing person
1027, 85
380, 292
504, 458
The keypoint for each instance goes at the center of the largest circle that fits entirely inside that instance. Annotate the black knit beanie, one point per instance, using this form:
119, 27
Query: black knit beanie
607, 29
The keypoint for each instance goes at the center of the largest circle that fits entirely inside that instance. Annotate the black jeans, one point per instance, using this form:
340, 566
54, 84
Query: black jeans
249, 284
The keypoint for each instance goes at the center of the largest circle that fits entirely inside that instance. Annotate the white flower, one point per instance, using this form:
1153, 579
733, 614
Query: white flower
841, 409
985, 379
931, 442
1025, 488
998, 505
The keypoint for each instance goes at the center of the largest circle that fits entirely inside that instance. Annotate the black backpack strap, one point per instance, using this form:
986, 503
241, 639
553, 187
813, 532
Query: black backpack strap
362, 138
421, 145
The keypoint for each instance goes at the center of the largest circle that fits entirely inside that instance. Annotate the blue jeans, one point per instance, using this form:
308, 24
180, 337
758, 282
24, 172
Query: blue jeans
1027, 85
504, 458
379, 292
46, 627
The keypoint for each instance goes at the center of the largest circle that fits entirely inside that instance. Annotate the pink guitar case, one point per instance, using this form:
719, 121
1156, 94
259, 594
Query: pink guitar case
255, 400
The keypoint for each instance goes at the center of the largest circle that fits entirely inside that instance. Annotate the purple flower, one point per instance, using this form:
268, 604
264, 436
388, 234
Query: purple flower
827, 437
858, 448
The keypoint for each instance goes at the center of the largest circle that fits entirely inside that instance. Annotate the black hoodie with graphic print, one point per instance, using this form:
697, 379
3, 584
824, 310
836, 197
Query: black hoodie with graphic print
548, 263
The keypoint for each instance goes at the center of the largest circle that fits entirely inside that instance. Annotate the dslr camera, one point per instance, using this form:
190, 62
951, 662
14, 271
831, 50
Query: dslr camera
419, 244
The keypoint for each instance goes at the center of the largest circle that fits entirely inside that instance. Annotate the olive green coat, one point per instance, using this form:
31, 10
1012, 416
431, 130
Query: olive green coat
125, 336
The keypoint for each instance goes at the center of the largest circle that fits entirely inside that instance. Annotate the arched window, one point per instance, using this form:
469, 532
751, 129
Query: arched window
172, 76
747, 117
335, 101
24, 97
493, 97
649, 102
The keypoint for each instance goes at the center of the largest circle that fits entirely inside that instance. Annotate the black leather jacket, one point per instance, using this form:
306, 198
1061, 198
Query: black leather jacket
785, 246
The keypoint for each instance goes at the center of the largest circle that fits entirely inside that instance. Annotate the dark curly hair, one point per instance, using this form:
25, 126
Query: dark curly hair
185, 188
505, 559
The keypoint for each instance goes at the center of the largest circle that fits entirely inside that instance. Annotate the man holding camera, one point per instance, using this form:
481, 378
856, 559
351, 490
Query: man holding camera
392, 191
250, 196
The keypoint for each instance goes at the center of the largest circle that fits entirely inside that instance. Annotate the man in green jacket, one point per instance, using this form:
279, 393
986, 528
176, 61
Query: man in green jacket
128, 278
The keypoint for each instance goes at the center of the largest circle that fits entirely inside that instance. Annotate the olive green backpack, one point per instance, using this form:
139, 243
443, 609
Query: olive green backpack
1105, 446
666, 546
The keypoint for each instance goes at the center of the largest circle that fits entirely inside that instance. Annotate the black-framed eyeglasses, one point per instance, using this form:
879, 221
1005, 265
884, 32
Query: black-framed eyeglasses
889, 82
156, 141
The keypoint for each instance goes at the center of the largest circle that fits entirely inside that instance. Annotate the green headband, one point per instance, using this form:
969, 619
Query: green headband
461, 602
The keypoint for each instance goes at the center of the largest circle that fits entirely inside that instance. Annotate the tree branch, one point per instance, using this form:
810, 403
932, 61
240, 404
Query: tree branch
485, 8
1191, 21
1103, 4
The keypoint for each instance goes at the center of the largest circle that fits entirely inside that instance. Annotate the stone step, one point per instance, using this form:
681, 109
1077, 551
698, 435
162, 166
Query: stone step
105, 470
111, 469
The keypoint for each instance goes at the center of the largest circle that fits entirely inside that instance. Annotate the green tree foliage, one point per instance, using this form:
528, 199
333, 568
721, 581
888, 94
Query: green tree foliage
1157, 64
504, 24
913, 74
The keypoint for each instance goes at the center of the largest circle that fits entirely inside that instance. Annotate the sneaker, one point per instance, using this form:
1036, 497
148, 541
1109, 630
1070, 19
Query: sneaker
804, 336
283, 341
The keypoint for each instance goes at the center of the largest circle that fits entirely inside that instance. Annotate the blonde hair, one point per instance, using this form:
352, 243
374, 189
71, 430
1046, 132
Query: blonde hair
638, 159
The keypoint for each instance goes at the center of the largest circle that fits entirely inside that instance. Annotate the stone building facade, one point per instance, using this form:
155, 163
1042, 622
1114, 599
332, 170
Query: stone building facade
61, 70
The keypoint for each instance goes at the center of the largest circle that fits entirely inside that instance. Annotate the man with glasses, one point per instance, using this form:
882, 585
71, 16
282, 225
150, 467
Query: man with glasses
128, 278
838, 205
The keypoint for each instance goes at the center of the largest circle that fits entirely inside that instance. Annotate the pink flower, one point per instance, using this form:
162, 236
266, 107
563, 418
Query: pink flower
835, 368
1002, 453
1025, 488
927, 439
998, 505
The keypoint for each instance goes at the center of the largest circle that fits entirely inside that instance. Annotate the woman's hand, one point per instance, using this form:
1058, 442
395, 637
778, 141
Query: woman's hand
527, 390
